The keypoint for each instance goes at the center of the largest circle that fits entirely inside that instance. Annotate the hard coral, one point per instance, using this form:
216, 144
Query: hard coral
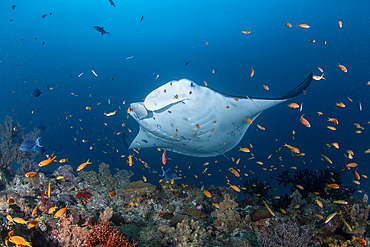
283, 234
105, 235
84, 194
227, 217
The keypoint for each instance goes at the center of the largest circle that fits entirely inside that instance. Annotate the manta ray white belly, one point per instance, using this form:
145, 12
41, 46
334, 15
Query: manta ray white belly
187, 118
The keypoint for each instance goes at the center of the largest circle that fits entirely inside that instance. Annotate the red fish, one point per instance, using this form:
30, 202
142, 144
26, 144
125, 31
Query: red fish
164, 159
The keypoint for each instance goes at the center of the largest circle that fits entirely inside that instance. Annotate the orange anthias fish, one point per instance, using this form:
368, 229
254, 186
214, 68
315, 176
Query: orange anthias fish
49, 189
304, 121
245, 150
333, 186
340, 104
82, 166
318, 77
48, 161
164, 158
207, 194
303, 25
340, 24
293, 105
343, 68
288, 24
252, 73
17, 240
61, 212
30, 174
246, 31
333, 120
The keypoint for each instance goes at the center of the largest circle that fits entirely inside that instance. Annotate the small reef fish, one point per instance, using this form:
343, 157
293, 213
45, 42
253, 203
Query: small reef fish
169, 174
340, 202
340, 104
63, 160
319, 203
340, 24
36, 93
10, 201
30, 174
247, 150
234, 187
82, 166
52, 210
252, 73
268, 208
359, 240
34, 211
47, 161
20, 220
164, 158
343, 68
110, 113
61, 212
303, 26
101, 30
288, 24
318, 77
304, 121
49, 189
30, 145
113, 193
333, 186
246, 31
33, 223
327, 159
60, 177
293, 105
17, 240
330, 217
207, 194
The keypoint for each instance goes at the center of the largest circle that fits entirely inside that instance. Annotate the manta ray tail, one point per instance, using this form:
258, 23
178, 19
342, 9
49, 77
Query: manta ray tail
126, 141
299, 89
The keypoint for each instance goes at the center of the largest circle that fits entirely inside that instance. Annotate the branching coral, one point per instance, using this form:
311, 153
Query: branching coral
104, 235
316, 181
283, 235
11, 139
227, 218
256, 187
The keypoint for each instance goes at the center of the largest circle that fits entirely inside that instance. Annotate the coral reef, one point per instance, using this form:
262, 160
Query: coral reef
103, 234
282, 234
11, 137
316, 182
256, 187
227, 217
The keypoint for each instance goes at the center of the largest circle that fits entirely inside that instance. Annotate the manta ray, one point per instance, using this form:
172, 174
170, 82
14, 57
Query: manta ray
191, 119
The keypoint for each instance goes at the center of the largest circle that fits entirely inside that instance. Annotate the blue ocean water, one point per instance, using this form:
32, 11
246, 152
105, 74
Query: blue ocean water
170, 34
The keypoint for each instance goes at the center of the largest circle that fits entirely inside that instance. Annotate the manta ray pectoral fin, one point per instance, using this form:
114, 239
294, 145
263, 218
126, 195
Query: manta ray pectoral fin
299, 89
126, 141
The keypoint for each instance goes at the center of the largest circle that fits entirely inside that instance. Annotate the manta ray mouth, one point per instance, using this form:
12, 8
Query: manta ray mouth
190, 119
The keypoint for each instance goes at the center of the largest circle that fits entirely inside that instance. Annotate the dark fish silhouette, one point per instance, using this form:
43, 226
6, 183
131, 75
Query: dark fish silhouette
30, 145
169, 174
142, 17
186, 63
36, 93
42, 127
112, 3
13, 6
101, 30
43, 42
44, 15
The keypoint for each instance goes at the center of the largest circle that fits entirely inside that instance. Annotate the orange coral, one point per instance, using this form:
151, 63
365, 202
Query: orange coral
105, 235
